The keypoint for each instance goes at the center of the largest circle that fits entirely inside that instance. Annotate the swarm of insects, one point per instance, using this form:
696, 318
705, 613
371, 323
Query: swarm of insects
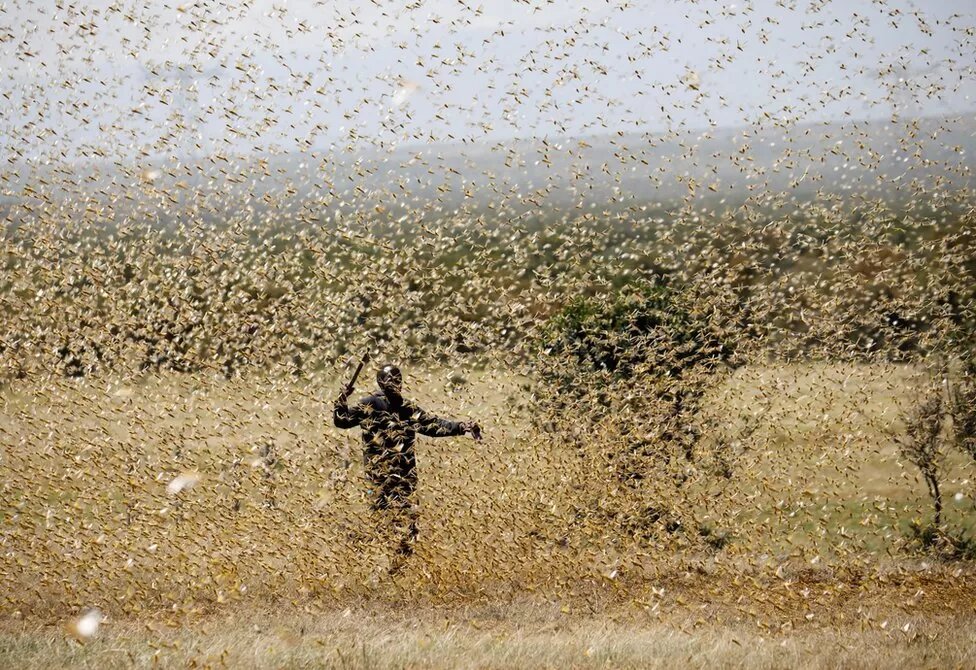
694, 316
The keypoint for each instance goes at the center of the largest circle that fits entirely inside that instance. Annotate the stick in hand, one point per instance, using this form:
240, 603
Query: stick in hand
347, 391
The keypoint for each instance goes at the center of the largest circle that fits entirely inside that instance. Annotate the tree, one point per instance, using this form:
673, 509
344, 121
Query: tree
945, 419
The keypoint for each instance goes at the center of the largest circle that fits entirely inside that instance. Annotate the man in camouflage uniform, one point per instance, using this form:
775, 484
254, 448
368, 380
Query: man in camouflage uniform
390, 424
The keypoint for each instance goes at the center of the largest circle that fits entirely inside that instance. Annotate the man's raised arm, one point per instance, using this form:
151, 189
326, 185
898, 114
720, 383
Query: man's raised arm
345, 417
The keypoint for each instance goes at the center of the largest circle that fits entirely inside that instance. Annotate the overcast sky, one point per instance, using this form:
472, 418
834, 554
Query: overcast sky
171, 78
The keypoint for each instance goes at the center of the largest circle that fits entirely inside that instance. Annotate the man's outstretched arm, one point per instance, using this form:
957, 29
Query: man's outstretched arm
431, 426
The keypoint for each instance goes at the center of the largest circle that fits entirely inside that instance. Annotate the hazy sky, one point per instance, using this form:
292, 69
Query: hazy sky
176, 78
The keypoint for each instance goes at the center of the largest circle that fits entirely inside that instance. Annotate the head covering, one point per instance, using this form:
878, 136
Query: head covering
389, 379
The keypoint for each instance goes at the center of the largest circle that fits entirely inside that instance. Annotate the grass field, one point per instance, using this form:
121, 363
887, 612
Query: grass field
883, 628
271, 557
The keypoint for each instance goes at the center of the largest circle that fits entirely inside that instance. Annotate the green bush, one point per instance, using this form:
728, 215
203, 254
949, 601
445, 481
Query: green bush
653, 330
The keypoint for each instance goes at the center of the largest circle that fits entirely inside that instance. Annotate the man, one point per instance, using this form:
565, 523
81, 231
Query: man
390, 424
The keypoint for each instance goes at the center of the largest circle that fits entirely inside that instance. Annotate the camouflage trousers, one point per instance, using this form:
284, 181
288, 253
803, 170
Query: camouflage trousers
391, 497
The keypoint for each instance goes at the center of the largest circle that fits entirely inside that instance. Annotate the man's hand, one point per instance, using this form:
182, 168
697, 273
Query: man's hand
473, 428
343, 396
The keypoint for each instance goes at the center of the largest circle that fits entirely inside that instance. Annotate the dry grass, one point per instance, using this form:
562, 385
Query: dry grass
524, 635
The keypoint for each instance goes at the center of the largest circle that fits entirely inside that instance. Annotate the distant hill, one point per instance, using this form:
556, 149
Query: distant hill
559, 175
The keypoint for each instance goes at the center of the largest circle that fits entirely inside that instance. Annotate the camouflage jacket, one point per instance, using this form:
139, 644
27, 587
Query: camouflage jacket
390, 427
